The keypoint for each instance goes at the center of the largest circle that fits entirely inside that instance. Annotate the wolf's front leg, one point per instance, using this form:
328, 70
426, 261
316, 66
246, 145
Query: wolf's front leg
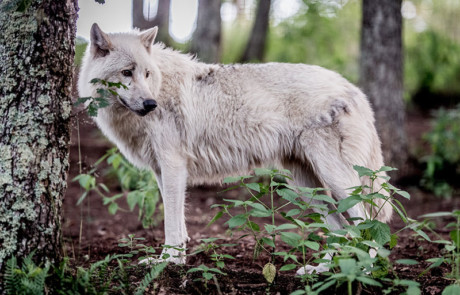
172, 182
173, 185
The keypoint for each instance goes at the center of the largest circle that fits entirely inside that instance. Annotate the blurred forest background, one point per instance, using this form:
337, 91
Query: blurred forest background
422, 73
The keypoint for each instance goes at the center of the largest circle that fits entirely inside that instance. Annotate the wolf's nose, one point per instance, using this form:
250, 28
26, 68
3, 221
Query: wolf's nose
149, 105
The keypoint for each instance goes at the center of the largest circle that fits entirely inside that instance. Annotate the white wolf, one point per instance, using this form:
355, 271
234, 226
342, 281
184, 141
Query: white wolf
194, 123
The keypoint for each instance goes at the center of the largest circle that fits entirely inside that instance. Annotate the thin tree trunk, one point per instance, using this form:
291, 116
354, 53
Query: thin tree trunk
161, 19
36, 63
255, 48
381, 75
206, 38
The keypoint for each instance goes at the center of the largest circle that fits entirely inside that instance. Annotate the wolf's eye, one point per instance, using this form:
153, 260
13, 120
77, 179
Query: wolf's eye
127, 73
147, 74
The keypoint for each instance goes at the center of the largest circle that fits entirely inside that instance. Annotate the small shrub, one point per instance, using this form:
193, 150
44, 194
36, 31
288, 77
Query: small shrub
139, 187
443, 164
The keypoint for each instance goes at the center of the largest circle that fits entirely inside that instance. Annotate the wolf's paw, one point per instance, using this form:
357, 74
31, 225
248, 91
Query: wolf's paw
168, 254
309, 269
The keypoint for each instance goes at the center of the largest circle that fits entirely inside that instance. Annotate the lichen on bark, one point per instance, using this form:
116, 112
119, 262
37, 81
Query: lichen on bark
36, 63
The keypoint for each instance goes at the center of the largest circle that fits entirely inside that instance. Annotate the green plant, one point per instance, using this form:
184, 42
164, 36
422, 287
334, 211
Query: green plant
451, 246
135, 247
139, 187
156, 270
107, 276
349, 246
107, 90
210, 247
27, 279
443, 164
206, 274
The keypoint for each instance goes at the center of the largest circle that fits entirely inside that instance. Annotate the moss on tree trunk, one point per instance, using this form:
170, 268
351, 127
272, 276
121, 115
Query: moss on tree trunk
36, 63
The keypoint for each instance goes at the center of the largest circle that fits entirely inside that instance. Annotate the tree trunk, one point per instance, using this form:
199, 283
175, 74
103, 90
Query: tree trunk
206, 38
161, 19
255, 48
36, 63
381, 75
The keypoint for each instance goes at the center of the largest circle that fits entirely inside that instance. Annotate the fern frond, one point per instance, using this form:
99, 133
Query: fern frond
153, 274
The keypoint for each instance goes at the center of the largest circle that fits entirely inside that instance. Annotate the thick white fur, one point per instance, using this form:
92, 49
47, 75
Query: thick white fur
218, 120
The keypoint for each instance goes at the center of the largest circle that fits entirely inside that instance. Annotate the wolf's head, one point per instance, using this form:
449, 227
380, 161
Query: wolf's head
125, 58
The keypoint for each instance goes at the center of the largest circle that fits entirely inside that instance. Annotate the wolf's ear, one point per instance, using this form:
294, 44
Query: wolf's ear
100, 42
147, 37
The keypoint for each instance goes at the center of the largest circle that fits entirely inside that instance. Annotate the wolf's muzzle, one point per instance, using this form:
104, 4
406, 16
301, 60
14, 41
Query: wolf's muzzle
149, 105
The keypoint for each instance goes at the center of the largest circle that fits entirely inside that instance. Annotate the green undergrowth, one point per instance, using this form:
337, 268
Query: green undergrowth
287, 224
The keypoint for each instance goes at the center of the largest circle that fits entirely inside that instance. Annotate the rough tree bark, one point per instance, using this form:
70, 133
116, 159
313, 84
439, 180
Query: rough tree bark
255, 48
381, 75
161, 19
206, 38
36, 63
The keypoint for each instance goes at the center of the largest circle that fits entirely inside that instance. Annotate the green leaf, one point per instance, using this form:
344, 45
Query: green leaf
269, 228
293, 212
86, 181
422, 234
455, 236
292, 239
207, 275
451, 290
237, 220
113, 207
216, 217
269, 272
436, 214
262, 171
259, 210
82, 100
386, 169
348, 203
363, 171
347, 265
82, 198
254, 186
403, 194
286, 226
369, 281
268, 242
380, 232
133, 198
287, 194
324, 198
231, 179
312, 245
254, 226
288, 267
393, 240
407, 261
415, 290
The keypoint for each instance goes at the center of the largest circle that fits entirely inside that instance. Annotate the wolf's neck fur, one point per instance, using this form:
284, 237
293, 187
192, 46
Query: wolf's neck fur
178, 71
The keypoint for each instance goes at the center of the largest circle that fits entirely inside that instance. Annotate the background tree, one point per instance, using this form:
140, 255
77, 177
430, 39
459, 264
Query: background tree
206, 39
36, 62
161, 19
381, 75
255, 47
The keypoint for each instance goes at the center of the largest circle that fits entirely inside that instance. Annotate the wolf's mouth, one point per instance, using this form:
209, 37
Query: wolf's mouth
141, 113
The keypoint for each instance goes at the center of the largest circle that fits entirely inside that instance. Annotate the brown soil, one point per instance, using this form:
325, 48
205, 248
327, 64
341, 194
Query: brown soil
91, 233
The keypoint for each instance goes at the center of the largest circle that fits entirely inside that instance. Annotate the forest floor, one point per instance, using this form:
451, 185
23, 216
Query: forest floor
91, 233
